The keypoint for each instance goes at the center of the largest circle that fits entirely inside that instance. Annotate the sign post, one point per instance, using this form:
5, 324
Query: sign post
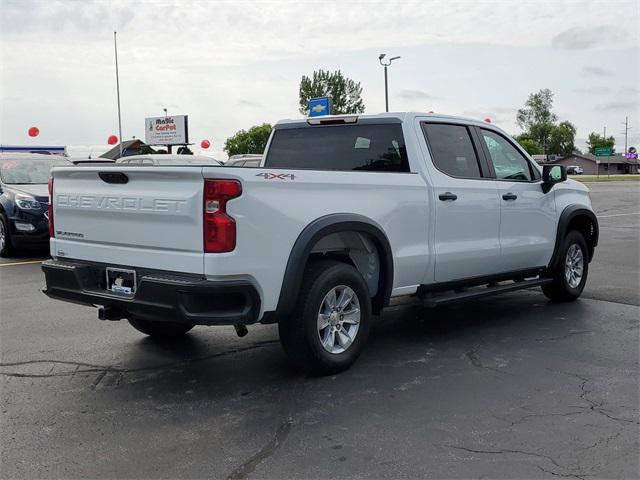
320, 106
632, 154
605, 152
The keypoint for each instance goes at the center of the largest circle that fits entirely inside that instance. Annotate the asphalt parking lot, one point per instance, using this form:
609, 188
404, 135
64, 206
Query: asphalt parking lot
508, 387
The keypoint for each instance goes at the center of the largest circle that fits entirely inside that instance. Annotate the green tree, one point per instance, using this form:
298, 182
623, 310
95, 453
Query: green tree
253, 140
537, 110
345, 93
562, 139
530, 145
596, 140
540, 125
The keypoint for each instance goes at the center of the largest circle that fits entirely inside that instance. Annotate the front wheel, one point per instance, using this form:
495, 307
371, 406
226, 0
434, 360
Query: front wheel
330, 324
160, 329
570, 275
5, 237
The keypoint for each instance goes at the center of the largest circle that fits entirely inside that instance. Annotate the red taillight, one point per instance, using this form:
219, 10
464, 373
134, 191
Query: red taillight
50, 209
218, 227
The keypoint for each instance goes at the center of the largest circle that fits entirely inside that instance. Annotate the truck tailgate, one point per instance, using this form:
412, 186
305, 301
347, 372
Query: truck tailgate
154, 220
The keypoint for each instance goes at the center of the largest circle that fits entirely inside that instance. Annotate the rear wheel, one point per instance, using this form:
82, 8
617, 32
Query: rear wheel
5, 237
330, 324
570, 275
160, 329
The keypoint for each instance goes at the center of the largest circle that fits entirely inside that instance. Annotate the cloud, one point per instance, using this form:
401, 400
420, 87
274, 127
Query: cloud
408, 94
629, 91
595, 90
580, 38
619, 106
244, 103
594, 71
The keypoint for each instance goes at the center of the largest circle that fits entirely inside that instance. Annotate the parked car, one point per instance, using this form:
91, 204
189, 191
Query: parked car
575, 170
168, 159
346, 213
24, 199
249, 160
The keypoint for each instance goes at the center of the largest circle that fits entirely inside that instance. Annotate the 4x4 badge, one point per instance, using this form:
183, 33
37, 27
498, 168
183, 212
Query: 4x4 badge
276, 176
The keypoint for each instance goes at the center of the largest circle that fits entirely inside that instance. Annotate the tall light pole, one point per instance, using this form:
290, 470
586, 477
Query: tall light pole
115, 47
386, 83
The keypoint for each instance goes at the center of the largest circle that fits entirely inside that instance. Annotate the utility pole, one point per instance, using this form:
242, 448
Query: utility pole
115, 46
626, 133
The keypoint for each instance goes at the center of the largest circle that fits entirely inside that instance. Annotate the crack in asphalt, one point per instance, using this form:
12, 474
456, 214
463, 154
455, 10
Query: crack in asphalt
503, 451
562, 337
540, 415
248, 466
474, 358
593, 405
104, 369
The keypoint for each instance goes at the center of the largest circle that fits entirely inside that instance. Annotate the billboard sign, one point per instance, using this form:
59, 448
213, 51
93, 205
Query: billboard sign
169, 130
319, 106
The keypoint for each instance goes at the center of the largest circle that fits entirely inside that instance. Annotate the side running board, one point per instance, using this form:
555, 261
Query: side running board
449, 297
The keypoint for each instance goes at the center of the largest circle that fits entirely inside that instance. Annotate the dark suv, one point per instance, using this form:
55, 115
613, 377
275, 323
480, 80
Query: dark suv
24, 199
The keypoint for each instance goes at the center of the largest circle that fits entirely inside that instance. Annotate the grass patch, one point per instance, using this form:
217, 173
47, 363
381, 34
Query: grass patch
604, 178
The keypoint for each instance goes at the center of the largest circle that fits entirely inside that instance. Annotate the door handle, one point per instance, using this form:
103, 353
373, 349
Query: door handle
447, 196
509, 196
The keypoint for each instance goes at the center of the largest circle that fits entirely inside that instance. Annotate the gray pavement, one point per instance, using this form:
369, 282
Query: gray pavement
508, 387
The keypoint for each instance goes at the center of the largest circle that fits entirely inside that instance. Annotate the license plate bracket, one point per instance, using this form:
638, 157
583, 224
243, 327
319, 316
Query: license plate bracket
121, 280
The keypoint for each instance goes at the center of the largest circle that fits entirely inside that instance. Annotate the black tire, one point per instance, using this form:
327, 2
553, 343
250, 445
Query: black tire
560, 290
300, 335
6, 247
160, 329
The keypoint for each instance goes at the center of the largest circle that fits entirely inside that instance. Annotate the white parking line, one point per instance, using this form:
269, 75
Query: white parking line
616, 215
20, 263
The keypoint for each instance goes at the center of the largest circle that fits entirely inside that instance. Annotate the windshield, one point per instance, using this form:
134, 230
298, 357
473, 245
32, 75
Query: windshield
28, 171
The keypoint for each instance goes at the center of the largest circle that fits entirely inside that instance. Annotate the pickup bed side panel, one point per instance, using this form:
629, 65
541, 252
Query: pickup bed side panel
274, 209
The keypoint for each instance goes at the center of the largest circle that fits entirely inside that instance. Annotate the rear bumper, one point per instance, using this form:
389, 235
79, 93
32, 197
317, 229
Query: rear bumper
159, 296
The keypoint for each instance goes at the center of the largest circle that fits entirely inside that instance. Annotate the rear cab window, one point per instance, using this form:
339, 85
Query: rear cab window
365, 147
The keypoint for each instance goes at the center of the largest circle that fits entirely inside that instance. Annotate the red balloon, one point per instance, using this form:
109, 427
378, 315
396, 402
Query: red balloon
34, 132
487, 119
205, 143
112, 140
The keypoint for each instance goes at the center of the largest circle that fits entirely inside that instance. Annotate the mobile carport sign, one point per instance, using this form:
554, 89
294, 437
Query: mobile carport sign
169, 130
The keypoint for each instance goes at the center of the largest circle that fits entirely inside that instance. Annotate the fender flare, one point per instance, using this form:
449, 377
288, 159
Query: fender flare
568, 214
319, 228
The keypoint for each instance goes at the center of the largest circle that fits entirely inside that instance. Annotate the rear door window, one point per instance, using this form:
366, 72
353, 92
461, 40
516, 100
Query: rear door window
372, 148
452, 150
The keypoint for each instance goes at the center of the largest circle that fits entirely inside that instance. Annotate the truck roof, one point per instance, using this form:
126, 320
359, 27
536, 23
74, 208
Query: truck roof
385, 117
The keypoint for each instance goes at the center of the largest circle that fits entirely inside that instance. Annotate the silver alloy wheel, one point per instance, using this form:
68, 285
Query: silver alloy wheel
3, 236
339, 319
574, 265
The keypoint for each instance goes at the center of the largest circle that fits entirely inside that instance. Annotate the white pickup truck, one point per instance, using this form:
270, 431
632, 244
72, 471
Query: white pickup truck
344, 214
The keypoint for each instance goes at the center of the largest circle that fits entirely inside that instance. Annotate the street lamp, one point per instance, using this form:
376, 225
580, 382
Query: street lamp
386, 85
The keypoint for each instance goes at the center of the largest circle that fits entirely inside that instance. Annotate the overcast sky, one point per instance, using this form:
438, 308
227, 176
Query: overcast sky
233, 64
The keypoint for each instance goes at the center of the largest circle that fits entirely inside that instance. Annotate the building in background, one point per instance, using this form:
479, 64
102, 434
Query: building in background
615, 165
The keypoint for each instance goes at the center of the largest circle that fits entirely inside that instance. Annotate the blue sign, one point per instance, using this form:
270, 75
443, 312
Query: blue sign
320, 106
